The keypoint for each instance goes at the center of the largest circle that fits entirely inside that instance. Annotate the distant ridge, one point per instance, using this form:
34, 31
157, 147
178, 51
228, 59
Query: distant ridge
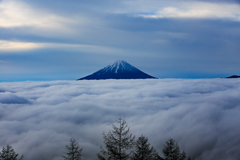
118, 70
233, 76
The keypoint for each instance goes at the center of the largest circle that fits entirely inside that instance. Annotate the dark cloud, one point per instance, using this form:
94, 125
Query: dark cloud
9, 98
202, 48
165, 47
202, 115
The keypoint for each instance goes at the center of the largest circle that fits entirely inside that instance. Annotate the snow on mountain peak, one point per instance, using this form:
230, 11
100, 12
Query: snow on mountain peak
120, 66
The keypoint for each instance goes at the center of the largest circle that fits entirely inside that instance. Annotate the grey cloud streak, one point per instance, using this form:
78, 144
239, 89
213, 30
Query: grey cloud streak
202, 115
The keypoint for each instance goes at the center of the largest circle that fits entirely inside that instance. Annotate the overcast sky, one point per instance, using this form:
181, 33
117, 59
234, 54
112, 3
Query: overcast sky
66, 40
39, 118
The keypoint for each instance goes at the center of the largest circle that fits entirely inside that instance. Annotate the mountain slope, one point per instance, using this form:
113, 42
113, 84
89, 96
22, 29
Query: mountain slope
118, 70
233, 76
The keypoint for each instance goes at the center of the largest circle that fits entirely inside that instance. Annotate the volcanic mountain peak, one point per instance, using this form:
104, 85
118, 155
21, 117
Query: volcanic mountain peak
118, 70
119, 66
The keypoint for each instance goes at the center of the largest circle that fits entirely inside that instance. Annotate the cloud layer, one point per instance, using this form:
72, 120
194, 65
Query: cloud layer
39, 118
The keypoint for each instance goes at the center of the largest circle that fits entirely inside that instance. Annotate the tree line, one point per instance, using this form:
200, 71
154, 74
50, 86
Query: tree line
119, 144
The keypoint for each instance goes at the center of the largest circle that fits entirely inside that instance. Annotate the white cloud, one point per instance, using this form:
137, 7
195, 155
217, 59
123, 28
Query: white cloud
46, 23
16, 46
15, 14
39, 118
190, 9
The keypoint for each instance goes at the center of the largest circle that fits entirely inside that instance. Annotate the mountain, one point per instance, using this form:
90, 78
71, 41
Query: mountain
233, 76
118, 70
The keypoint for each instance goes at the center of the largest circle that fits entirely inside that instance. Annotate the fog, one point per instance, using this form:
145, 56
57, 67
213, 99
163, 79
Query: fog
38, 118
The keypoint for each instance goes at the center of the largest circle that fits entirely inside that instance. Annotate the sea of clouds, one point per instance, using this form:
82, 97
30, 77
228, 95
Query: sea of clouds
202, 115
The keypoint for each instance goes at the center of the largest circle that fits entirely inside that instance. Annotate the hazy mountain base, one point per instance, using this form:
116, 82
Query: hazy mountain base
39, 118
233, 76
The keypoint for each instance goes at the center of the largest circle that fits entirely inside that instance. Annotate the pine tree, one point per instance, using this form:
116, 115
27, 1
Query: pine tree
118, 143
189, 158
156, 155
73, 151
9, 154
183, 156
143, 151
171, 151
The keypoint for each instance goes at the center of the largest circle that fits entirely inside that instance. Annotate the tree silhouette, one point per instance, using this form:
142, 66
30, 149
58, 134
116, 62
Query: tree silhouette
9, 154
117, 142
189, 158
171, 151
142, 150
73, 151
